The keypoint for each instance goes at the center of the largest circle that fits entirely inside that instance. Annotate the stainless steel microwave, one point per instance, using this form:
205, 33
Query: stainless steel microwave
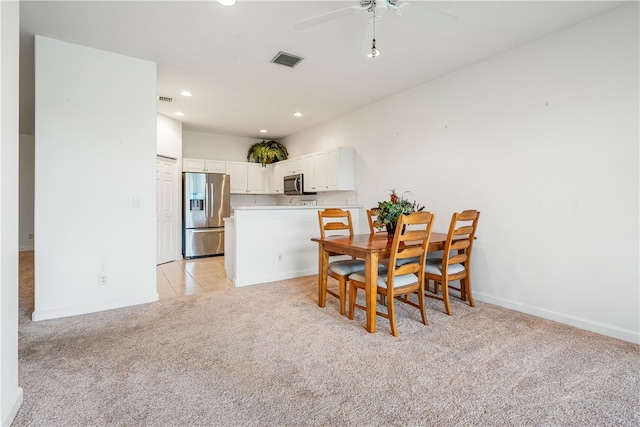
294, 185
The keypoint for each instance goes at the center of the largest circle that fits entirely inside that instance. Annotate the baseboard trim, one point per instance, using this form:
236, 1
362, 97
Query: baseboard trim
93, 308
13, 408
238, 283
588, 325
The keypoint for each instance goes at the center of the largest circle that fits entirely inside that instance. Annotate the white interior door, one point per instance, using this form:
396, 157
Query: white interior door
166, 217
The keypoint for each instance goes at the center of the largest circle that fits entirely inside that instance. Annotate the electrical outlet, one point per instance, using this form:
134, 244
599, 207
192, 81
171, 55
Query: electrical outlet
30, 236
279, 257
102, 280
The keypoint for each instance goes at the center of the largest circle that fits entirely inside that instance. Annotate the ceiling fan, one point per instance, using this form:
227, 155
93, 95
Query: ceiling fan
377, 7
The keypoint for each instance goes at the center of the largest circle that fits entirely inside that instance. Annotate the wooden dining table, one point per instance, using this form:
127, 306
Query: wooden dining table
371, 248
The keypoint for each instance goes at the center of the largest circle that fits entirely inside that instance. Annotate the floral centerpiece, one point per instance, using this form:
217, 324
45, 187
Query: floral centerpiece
388, 212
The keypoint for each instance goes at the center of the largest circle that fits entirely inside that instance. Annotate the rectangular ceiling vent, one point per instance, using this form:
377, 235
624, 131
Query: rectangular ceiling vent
287, 59
165, 99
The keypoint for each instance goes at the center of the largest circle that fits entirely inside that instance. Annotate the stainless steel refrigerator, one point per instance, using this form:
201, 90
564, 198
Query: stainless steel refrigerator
205, 202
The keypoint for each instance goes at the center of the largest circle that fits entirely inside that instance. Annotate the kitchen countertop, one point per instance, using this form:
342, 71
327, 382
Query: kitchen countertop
290, 207
287, 208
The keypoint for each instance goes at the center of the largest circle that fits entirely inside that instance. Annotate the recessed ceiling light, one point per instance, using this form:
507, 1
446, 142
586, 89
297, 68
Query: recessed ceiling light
185, 93
179, 113
298, 114
263, 131
227, 2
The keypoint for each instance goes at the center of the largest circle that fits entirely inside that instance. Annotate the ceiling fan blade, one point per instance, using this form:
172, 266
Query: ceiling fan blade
326, 17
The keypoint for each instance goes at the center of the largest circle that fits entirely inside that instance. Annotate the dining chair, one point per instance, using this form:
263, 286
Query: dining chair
371, 217
400, 279
338, 222
457, 265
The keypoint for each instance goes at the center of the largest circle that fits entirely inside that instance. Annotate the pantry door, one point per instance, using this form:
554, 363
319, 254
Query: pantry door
166, 212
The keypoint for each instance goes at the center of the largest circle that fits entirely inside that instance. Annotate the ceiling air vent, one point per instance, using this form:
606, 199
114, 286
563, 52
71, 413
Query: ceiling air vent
287, 59
165, 99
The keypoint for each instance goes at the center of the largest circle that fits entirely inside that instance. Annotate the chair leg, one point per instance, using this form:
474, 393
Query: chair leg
423, 310
342, 283
392, 315
445, 296
466, 285
353, 293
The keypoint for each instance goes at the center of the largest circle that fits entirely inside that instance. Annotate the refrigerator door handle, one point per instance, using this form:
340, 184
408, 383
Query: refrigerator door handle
211, 193
206, 202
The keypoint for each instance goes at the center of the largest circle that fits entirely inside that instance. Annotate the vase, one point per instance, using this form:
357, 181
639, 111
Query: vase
391, 230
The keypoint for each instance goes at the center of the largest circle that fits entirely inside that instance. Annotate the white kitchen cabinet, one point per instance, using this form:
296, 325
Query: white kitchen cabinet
294, 166
320, 171
340, 168
278, 171
308, 169
248, 178
203, 165
331, 170
258, 178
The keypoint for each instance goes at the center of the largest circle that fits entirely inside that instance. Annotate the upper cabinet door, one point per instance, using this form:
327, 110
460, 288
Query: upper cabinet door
340, 167
215, 166
248, 178
308, 170
320, 171
203, 165
257, 179
193, 165
238, 173
277, 173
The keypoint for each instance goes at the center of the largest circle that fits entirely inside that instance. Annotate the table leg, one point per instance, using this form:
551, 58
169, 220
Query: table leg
371, 279
323, 265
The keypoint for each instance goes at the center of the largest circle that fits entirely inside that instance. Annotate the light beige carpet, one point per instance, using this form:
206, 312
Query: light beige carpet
267, 355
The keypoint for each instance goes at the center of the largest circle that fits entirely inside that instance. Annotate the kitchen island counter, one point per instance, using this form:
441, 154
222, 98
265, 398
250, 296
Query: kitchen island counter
270, 243
292, 207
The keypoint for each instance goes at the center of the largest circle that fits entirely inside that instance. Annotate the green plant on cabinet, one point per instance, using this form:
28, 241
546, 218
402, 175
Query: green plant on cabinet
266, 152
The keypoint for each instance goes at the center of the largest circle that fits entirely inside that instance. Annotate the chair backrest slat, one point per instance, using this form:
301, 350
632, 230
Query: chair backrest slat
463, 230
419, 238
332, 214
336, 226
457, 259
371, 218
464, 224
460, 244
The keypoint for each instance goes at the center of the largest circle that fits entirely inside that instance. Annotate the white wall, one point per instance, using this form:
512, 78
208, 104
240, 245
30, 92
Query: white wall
26, 162
95, 153
217, 147
10, 393
543, 140
169, 138
169, 144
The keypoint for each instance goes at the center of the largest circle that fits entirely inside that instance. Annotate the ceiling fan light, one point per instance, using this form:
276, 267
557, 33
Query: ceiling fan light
374, 52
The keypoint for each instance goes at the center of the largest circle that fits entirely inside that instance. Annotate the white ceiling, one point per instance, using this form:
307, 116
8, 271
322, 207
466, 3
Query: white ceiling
222, 54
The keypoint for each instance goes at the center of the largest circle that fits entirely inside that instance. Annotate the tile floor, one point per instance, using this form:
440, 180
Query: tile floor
192, 276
